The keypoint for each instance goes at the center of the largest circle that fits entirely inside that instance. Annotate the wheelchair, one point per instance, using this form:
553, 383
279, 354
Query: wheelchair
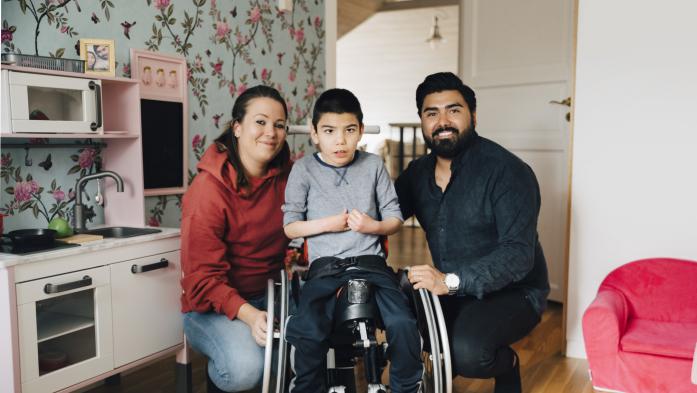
356, 320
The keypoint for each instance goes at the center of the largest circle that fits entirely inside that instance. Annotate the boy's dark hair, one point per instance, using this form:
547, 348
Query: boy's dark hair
239, 110
442, 81
336, 101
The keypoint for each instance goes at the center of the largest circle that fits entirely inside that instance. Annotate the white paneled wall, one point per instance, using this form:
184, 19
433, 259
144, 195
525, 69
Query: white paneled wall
385, 58
634, 164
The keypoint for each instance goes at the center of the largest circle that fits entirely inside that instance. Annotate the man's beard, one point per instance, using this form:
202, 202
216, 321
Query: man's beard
450, 147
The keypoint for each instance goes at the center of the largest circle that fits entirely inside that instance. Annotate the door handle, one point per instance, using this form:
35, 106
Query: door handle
98, 105
566, 102
56, 288
135, 269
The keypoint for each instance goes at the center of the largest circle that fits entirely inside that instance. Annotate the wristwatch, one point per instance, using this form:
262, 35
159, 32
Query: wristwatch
452, 281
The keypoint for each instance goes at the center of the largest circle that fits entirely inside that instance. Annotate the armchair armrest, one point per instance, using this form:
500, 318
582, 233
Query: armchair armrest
606, 318
604, 323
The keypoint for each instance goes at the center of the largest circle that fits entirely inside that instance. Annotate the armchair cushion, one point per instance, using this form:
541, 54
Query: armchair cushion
674, 339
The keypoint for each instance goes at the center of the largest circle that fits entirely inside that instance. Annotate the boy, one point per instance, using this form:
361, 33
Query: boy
342, 201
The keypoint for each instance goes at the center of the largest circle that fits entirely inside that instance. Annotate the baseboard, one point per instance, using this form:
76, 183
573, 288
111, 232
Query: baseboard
575, 349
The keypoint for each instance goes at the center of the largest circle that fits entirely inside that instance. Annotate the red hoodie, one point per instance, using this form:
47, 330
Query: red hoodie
232, 238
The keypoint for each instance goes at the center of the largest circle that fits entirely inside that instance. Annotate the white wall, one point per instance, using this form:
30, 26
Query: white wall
634, 187
385, 58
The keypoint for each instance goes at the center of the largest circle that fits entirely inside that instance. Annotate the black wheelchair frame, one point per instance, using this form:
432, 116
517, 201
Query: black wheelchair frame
435, 345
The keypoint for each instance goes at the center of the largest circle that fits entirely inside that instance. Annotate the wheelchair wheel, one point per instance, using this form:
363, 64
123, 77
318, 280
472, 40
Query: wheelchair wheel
436, 353
276, 345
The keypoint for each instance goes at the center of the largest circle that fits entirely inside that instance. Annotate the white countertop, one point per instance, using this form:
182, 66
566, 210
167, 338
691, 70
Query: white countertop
8, 260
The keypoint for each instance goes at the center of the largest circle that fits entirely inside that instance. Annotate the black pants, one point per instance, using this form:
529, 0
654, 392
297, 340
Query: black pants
309, 328
481, 331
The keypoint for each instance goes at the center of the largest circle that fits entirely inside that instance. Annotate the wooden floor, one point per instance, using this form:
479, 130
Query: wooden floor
543, 368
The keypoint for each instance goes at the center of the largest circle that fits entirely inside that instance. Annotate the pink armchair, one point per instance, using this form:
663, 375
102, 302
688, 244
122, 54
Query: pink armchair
641, 329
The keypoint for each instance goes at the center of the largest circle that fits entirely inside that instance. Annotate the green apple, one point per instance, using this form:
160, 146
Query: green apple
61, 226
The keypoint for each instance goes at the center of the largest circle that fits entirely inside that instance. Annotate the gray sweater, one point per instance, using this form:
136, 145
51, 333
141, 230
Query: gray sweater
316, 189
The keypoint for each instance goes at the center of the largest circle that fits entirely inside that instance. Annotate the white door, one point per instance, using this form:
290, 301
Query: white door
516, 55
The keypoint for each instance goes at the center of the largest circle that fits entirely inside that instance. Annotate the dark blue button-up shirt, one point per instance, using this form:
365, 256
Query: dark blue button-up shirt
483, 227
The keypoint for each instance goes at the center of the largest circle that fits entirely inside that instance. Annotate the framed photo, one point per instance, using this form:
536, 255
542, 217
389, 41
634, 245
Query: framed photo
99, 56
164, 113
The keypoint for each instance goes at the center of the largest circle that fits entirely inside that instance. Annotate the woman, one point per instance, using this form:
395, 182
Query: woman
233, 240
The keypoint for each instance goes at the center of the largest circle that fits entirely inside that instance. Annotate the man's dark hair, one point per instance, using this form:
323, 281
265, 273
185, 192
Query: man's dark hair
336, 101
239, 110
442, 81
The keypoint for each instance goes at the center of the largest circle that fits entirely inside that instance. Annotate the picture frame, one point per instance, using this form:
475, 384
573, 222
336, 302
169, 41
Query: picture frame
164, 113
99, 56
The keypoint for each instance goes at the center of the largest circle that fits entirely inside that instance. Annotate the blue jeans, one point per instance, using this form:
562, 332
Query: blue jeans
235, 360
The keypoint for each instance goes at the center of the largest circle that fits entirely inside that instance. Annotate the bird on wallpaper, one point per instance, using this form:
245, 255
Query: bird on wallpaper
208, 52
127, 28
295, 91
234, 12
280, 57
47, 163
216, 119
254, 73
194, 116
95, 18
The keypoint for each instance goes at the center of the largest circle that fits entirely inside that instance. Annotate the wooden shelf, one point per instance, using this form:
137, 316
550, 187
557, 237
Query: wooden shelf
54, 325
105, 135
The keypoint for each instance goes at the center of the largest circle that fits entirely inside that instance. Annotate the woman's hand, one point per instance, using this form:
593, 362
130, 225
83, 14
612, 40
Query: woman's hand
362, 223
256, 319
429, 278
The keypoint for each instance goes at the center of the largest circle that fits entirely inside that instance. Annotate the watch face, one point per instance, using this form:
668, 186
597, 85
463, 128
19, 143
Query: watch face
452, 281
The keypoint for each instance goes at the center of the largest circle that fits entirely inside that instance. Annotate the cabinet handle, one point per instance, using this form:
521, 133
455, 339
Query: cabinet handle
98, 95
135, 269
56, 288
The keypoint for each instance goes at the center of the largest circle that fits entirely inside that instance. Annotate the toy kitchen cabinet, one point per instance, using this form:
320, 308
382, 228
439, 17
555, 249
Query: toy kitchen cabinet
74, 316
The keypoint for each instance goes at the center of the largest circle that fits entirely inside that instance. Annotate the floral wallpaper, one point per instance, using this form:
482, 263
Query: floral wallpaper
229, 46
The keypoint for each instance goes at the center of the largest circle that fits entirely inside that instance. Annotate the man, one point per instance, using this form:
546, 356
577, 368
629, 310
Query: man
478, 204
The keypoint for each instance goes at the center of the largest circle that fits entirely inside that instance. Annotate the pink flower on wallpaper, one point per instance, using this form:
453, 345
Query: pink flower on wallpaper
299, 112
232, 88
198, 63
196, 141
221, 29
318, 22
214, 3
64, 29
300, 35
241, 88
291, 76
25, 189
6, 159
87, 157
265, 74
255, 14
127, 69
311, 90
241, 40
6, 35
152, 221
161, 4
218, 67
59, 195
297, 156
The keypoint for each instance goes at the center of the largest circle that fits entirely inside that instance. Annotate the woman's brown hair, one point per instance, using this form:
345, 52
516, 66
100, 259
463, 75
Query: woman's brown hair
239, 110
